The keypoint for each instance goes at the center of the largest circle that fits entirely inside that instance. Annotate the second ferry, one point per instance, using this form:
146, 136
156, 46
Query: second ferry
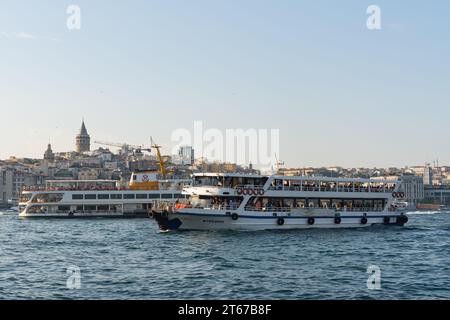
145, 191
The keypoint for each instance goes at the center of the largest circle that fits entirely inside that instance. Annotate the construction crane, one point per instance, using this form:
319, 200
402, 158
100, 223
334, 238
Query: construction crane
162, 164
125, 147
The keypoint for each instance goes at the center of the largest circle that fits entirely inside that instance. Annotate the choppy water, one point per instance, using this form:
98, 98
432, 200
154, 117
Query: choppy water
129, 259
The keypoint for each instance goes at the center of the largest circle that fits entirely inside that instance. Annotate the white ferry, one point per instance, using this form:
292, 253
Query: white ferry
251, 202
99, 198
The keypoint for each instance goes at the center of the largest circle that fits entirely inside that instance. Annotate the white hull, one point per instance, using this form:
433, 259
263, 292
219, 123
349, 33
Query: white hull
225, 222
83, 215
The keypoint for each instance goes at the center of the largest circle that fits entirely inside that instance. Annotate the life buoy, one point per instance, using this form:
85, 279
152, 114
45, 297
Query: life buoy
364, 220
239, 191
249, 191
387, 220
261, 192
337, 220
401, 195
311, 221
394, 194
280, 221
245, 191
234, 216
401, 220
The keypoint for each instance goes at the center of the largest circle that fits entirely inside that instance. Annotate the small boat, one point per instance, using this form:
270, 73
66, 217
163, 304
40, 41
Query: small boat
428, 207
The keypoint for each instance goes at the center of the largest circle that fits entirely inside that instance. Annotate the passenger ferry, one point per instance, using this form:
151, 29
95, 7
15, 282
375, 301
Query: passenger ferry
99, 198
256, 202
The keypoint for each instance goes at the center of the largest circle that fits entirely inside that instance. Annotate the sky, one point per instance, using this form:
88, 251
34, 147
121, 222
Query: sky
340, 94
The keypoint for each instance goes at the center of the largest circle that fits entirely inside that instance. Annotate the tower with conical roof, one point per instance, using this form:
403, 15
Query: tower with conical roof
83, 140
49, 155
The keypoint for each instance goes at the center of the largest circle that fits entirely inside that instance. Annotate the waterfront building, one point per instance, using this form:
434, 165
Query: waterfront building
12, 179
186, 155
426, 172
83, 140
438, 195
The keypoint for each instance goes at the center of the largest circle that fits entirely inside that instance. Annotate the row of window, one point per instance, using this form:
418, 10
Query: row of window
126, 196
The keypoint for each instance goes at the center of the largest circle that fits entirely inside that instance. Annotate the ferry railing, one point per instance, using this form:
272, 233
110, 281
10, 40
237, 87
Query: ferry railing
45, 188
289, 209
224, 207
248, 186
330, 189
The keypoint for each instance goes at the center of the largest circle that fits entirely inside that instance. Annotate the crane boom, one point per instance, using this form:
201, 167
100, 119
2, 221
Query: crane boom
117, 144
162, 165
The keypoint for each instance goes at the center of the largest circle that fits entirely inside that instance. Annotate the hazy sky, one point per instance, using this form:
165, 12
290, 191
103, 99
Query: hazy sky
339, 93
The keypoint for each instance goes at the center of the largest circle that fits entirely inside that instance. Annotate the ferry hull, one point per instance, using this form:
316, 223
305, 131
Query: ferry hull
109, 215
186, 221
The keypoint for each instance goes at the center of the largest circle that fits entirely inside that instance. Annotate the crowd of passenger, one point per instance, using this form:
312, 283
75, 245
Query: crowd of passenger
75, 188
333, 187
281, 205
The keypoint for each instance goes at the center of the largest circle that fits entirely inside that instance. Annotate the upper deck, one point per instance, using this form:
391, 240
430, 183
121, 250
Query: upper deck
76, 185
242, 184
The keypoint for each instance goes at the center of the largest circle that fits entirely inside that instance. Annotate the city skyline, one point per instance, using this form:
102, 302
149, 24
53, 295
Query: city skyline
340, 94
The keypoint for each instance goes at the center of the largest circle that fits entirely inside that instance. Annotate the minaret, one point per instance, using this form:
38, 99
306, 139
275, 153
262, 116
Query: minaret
83, 140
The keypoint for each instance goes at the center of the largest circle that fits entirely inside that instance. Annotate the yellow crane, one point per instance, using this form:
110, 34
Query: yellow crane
162, 164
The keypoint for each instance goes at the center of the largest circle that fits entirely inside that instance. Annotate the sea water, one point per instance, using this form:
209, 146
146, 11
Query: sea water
130, 259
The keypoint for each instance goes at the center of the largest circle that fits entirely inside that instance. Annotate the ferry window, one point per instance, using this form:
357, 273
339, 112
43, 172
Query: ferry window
79, 208
154, 196
379, 203
25, 197
134, 177
348, 204
141, 196
300, 203
357, 203
90, 196
166, 196
103, 196
178, 196
63, 208
77, 197
129, 196
90, 208
103, 208
116, 196
47, 197
368, 203
337, 203
288, 203
313, 203
325, 203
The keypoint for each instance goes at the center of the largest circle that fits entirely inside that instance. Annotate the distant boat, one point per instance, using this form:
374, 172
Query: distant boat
429, 206
100, 198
